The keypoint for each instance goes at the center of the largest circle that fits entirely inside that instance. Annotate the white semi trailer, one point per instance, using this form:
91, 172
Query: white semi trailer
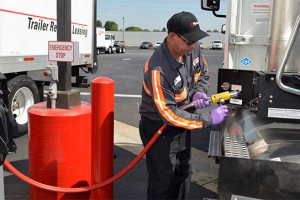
26, 28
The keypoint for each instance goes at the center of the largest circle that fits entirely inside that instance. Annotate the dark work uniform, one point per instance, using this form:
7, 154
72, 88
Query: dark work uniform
168, 86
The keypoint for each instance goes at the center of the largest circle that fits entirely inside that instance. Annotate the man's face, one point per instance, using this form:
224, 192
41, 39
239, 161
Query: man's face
184, 46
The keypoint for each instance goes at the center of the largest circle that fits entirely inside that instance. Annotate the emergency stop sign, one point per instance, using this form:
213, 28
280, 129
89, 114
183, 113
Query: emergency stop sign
60, 51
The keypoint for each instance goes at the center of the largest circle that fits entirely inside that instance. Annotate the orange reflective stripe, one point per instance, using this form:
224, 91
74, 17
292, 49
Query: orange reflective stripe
182, 96
146, 89
165, 111
204, 61
146, 66
197, 76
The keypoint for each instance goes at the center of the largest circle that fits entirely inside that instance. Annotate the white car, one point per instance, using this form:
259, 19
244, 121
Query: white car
157, 44
201, 45
217, 44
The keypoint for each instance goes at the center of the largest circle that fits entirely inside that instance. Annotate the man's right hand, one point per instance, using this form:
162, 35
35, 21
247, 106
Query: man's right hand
218, 114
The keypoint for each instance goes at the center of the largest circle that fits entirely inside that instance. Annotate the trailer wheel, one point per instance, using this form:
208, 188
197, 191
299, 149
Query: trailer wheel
123, 49
24, 93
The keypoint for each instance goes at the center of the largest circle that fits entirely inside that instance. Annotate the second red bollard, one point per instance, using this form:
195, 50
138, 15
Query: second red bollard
102, 102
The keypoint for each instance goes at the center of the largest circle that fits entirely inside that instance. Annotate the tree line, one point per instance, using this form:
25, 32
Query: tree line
113, 26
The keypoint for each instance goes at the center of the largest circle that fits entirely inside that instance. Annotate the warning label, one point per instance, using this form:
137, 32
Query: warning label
261, 8
284, 113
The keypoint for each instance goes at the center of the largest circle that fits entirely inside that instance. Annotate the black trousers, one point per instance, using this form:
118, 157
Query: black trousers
168, 161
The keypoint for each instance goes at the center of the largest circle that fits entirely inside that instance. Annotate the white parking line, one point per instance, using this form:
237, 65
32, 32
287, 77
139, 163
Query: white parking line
116, 95
128, 95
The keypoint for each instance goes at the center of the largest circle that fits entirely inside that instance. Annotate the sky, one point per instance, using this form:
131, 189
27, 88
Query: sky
154, 14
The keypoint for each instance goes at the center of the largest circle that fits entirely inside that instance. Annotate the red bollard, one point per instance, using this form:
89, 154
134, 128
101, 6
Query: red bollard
60, 149
102, 102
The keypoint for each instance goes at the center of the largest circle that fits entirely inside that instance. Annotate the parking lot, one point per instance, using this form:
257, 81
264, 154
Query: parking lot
126, 71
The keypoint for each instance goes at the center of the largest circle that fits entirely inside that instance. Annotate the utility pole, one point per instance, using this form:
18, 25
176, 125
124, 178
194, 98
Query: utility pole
123, 29
66, 97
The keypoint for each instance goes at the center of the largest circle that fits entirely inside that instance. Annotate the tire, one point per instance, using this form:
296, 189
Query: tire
24, 93
98, 51
123, 49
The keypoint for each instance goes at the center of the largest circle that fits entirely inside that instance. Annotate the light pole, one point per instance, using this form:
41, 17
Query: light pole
123, 28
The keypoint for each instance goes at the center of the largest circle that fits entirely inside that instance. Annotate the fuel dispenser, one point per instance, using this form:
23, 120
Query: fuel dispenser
52, 71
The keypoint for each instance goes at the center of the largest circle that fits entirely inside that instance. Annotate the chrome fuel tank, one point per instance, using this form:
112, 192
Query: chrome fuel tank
264, 138
261, 158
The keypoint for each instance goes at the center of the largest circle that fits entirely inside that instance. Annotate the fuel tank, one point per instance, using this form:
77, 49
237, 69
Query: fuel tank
260, 158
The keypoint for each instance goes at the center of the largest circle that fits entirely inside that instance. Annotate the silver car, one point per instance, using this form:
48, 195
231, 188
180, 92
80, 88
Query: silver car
146, 45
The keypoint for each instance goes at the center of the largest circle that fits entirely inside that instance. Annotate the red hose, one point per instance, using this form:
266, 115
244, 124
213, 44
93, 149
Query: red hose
92, 187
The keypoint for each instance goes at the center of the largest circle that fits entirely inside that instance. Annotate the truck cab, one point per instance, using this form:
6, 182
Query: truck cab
109, 43
258, 146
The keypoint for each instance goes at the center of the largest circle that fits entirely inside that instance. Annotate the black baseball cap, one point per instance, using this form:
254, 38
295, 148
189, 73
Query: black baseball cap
187, 25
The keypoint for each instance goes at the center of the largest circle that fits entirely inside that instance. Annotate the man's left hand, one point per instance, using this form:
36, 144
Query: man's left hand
200, 95
201, 100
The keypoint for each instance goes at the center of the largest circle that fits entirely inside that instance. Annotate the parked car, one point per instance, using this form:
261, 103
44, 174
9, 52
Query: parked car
157, 44
217, 44
146, 45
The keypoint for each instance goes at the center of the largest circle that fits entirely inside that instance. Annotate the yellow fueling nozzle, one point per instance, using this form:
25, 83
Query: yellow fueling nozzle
216, 98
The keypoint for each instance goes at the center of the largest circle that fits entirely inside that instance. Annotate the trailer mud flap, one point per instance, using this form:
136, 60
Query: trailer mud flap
263, 179
3, 135
7, 127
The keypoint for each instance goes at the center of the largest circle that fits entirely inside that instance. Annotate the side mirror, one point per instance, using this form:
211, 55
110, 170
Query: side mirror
223, 28
211, 5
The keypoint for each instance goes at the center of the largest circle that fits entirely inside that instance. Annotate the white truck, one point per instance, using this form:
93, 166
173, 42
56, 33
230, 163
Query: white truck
105, 41
258, 146
26, 28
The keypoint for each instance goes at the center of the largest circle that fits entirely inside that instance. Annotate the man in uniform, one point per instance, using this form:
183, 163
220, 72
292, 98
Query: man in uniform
169, 85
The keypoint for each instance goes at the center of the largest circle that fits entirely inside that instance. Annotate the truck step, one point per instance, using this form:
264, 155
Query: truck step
235, 146
214, 148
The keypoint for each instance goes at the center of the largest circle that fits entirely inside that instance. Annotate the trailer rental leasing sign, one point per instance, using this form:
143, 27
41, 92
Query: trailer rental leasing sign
60, 51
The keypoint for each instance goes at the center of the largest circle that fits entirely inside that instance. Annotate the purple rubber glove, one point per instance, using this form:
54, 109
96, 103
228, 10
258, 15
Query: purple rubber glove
201, 103
218, 114
200, 95
200, 100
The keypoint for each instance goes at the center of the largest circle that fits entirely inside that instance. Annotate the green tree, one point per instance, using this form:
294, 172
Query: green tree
164, 29
156, 30
133, 28
215, 30
98, 23
111, 26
